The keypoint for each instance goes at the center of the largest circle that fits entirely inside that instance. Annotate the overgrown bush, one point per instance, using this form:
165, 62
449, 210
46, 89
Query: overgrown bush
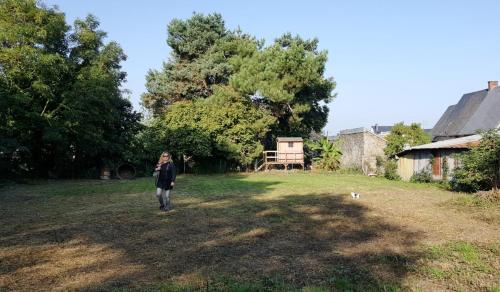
380, 164
482, 199
329, 154
391, 170
423, 176
445, 169
402, 134
480, 167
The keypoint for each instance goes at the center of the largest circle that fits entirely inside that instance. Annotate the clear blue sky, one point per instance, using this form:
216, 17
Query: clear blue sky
392, 60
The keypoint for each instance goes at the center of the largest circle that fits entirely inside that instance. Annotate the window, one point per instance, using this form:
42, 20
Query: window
290, 144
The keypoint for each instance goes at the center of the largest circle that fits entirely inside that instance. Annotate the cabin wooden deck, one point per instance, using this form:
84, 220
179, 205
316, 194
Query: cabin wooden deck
281, 158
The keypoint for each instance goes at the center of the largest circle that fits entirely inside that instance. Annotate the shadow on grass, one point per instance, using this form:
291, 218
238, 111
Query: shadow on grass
223, 233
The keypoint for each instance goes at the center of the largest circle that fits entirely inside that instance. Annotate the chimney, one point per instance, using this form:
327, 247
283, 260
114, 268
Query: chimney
492, 84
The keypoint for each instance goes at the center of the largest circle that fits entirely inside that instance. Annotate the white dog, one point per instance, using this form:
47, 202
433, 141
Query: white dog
354, 195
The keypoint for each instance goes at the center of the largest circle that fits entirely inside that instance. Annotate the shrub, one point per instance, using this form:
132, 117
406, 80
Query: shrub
329, 154
423, 176
380, 163
391, 170
480, 167
445, 169
402, 134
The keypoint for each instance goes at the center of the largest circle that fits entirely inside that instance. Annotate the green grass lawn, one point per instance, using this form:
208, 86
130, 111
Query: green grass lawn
258, 232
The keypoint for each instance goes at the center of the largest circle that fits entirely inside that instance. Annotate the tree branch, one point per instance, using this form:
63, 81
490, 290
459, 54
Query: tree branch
45, 107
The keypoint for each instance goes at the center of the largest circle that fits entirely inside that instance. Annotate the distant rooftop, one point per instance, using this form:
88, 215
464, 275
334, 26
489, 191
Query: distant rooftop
381, 129
386, 129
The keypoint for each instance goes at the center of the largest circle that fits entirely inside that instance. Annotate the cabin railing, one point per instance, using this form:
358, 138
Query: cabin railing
276, 157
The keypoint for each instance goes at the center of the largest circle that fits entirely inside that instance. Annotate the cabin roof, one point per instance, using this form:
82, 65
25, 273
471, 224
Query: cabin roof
289, 139
457, 143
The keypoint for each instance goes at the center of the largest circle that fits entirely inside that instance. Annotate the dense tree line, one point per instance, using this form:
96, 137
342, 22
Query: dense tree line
62, 111
223, 93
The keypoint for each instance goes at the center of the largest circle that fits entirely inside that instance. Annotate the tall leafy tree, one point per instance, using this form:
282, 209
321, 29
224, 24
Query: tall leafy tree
223, 125
100, 121
60, 90
34, 72
402, 135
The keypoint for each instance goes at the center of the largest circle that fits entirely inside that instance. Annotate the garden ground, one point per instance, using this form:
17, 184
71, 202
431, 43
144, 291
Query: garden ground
257, 232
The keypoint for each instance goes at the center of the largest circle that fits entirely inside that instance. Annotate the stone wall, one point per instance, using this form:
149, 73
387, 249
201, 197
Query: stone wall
351, 146
360, 150
373, 147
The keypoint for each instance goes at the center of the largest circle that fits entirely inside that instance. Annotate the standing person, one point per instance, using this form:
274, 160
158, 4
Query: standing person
166, 180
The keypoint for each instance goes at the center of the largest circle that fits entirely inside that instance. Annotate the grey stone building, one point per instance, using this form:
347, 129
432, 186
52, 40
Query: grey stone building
360, 148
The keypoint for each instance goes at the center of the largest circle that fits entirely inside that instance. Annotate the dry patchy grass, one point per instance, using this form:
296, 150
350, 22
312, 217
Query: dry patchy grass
250, 232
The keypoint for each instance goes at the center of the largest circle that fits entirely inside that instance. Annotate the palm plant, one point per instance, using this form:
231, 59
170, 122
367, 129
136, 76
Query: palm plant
329, 154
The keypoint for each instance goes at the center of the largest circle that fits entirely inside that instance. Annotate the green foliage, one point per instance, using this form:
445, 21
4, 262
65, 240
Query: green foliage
480, 167
391, 170
61, 100
401, 135
287, 78
204, 54
329, 154
192, 38
459, 261
223, 125
236, 92
424, 176
479, 200
445, 168
380, 164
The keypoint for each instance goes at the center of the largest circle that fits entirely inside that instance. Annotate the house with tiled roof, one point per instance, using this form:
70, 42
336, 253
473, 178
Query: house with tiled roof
455, 132
476, 111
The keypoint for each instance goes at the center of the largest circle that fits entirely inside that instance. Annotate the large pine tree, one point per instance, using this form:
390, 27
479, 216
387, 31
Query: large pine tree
239, 92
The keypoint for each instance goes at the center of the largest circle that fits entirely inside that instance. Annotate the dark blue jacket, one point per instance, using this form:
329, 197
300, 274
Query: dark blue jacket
166, 176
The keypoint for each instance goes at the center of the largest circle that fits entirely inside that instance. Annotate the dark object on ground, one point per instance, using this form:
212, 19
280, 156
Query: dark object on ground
125, 171
105, 173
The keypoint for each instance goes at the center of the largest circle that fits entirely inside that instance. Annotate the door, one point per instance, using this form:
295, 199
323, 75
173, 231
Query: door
436, 166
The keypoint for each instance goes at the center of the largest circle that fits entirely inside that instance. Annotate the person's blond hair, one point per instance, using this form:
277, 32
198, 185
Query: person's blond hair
165, 153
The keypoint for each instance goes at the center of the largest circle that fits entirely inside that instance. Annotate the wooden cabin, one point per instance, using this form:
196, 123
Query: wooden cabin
290, 151
430, 157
